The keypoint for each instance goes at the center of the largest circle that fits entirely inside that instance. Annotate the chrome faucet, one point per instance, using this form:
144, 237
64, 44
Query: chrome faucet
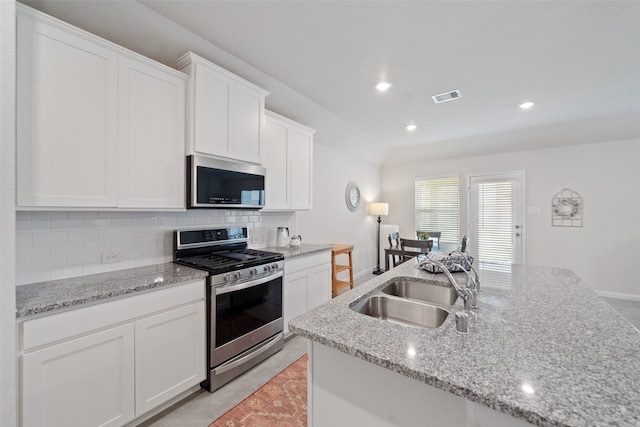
476, 282
465, 293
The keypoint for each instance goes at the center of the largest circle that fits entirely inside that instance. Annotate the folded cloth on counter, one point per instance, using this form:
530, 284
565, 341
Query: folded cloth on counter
448, 261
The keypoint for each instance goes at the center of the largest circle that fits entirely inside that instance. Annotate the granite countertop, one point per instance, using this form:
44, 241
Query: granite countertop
47, 297
545, 347
303, 249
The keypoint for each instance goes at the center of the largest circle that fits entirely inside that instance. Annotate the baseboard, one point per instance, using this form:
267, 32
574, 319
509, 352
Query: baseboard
631, 297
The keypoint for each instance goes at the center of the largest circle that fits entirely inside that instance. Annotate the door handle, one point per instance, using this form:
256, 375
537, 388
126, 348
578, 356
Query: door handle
517, 234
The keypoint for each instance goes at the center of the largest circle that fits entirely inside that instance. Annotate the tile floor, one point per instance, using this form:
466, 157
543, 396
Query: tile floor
202, 408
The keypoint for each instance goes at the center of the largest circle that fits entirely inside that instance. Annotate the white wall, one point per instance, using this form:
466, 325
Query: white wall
7, 215
604, 252
331, 221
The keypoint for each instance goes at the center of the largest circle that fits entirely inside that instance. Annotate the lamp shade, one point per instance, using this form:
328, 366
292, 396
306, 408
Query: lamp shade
379, 208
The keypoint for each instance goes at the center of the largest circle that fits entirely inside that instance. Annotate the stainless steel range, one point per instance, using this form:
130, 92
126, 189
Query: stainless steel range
244, 299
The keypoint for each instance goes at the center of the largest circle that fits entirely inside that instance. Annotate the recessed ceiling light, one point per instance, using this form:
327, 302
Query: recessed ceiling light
382, 86
411, 127
526, 105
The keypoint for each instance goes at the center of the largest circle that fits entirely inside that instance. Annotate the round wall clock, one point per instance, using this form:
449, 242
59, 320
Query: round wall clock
352, 196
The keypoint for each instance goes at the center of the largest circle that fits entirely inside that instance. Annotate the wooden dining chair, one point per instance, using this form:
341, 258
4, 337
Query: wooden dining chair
394, 241
424, 245
435, 235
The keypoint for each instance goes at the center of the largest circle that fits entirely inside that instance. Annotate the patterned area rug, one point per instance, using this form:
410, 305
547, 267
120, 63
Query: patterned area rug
281, 402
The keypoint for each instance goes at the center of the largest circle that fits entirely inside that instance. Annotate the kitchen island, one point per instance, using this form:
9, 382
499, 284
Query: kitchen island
545, 350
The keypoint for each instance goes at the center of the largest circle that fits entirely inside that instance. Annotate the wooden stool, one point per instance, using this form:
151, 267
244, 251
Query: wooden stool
337, 285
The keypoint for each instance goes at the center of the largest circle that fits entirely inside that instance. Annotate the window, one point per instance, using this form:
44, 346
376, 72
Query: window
438, 207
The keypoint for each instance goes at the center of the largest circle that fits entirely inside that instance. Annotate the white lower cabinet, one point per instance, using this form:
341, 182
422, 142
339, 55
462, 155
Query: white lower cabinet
87, 381
168, 355
112, 363
307, 284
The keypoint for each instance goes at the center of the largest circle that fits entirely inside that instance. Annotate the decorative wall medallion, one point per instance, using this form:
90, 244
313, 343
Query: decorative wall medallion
566, 209
352, 196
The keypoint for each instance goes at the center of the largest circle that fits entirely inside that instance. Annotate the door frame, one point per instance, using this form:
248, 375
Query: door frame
518, 173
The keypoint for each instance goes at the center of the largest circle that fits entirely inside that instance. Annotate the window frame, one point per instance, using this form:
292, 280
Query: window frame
444, 238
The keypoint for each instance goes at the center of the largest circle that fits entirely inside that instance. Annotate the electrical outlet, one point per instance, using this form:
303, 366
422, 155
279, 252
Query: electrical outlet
110, 257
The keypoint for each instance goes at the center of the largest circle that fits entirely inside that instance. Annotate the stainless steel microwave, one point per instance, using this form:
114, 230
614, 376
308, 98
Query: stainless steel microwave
214, 183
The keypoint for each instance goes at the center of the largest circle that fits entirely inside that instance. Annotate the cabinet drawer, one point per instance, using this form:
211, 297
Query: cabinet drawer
305, 262
56, 327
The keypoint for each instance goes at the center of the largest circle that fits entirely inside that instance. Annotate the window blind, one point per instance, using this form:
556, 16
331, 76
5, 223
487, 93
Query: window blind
438, 207
495, 221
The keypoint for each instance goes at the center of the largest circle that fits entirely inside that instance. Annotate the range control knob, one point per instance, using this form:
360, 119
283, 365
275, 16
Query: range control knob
267, 268
237, 275
227, 277
252, 272
274, 266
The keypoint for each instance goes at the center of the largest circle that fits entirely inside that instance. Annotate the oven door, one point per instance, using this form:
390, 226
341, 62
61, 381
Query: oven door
243, 315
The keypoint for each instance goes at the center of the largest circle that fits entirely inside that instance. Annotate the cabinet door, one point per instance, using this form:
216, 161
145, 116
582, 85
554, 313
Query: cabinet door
170, 355
248, 118
300, 169
319, 286
66, 118
275, 160
151, 138
295, 296
83, 382
212, 95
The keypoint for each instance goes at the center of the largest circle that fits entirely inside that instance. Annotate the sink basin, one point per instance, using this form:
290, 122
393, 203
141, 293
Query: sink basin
422, 291
402, 311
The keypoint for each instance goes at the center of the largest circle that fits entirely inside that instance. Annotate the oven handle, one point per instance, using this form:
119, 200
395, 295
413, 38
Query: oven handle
226, 289
257, 352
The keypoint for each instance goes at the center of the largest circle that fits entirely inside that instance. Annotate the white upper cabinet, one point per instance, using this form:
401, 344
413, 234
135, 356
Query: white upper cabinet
151, 154
67, 131
289, 163
98, 126
225, 113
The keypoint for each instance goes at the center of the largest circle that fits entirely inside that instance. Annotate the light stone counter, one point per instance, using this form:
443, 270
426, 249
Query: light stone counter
295, 251
545, 349
48, 297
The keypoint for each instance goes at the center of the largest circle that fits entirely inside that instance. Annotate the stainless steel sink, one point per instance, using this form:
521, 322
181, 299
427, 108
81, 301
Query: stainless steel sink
423, 291
403, 311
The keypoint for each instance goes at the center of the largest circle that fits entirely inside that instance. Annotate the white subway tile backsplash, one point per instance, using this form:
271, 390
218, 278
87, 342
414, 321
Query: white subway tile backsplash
82, 235
123, 222
44, 237
24, 238
83, 258
117, 245
32, 251
110, 214
97, 246
23, 264
66, 248
83, 215
33, 225
96, 223
48, 215
60, 224
49, 262
185, 221
62, 273
52, 245
167, 222
23, 216
111, 234
146, 222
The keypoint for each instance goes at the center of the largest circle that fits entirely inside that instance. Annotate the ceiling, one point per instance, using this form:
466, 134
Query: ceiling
579, 61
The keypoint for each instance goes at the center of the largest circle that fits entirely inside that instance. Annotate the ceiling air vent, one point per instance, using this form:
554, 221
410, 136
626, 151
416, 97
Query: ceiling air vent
446, 96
